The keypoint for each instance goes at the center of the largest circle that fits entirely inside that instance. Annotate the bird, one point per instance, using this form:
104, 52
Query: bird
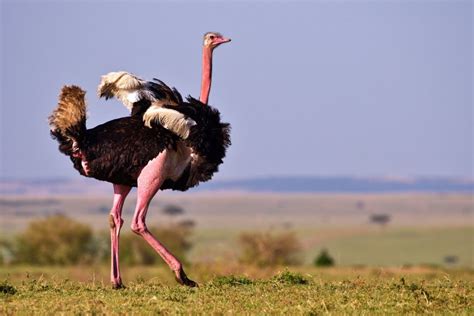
138, 95
129, 153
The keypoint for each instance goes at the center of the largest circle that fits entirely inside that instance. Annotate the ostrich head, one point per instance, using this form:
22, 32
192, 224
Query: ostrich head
214, 39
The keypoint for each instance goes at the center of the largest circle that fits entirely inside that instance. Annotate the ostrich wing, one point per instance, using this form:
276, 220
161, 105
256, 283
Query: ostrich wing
166, 111
131, 90
148, 98
124, 86
170, 119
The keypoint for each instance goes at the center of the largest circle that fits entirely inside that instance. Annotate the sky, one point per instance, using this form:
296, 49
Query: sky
321, 88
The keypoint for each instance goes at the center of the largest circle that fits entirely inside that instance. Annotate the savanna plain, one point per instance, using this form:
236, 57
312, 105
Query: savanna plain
407, 253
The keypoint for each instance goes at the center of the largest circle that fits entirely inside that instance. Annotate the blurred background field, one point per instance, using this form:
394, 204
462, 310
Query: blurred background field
374, 230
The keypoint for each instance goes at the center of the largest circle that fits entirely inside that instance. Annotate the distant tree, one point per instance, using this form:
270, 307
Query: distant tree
451, 259
380, 219
172, 210
324, 259
187, 223
103, 209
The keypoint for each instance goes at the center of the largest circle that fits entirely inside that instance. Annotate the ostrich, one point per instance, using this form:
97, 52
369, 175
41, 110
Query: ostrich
139, 95
128, 153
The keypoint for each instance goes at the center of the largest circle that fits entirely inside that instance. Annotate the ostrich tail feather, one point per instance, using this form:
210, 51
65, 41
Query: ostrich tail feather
68, 120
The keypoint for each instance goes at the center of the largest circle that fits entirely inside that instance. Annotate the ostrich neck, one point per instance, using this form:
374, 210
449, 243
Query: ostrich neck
206, 74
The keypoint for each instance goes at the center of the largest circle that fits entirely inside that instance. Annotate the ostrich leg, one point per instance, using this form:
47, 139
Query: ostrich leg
115, 222
149, 181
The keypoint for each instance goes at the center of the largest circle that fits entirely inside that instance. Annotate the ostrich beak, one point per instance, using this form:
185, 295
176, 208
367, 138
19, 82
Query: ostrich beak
223, 40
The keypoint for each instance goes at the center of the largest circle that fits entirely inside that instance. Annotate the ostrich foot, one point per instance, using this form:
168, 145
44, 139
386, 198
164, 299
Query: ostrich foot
182, 278
118, 285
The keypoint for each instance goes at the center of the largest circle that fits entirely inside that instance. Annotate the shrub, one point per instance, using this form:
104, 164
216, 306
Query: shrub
266, 249
7, 289
54, 240
380, 219
187, 223
287, 277
451, 259
172, 210
324, 259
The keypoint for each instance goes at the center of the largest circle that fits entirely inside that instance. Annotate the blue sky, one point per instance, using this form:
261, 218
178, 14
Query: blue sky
365, 88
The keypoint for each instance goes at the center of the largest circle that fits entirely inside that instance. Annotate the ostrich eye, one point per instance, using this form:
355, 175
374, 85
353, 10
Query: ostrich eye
212, 37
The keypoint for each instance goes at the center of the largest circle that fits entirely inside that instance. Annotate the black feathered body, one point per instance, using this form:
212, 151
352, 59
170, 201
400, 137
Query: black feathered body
118, 150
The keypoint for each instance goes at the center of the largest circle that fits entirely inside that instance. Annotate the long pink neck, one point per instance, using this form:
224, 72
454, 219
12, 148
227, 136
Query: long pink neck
206, 74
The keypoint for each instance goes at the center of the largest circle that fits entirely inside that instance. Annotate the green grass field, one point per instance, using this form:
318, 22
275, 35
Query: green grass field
399, 268
303, 291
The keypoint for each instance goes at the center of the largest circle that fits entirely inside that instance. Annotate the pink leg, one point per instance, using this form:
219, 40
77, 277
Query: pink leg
149, 181
116, 222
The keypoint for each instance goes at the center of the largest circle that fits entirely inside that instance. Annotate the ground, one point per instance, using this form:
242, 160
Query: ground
405, 266
302, 290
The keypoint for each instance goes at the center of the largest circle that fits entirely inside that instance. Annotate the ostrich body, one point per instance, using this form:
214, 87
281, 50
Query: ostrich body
128, 153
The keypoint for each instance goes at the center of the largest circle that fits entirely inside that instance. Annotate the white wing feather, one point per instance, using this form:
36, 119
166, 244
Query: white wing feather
123, 86
170, 119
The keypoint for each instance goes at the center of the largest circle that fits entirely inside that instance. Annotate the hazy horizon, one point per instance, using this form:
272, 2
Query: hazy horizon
269, 177
356, 88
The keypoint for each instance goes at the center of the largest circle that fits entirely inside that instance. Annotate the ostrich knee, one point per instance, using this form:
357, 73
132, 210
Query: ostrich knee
138, 227
115, 221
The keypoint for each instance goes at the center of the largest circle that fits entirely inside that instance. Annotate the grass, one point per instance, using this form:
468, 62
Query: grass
402, 246
304, 291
